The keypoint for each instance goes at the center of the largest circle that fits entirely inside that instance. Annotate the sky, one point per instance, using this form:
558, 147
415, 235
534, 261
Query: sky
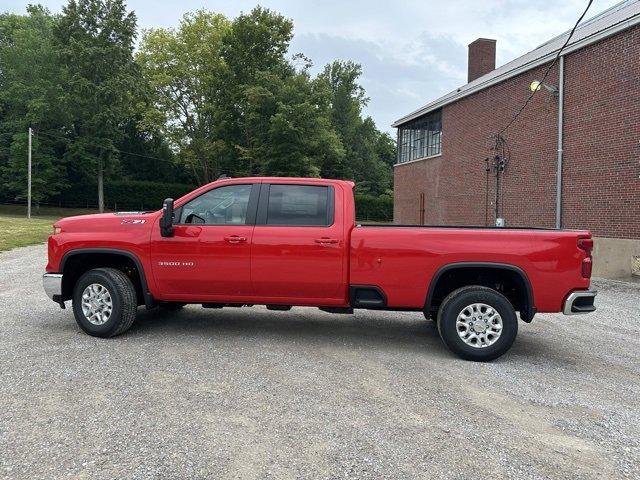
411, 51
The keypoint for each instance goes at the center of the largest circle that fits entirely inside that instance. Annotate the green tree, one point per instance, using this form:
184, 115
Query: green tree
182, 67
212, 96
348, 98
299, 139
369, 153
148, 156
31, 82
95, 39
231, 102
272, 116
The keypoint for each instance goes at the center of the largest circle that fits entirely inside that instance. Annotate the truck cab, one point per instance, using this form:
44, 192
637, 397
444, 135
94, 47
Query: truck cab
278, 240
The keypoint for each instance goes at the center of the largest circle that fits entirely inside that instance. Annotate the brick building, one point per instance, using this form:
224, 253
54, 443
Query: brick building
593, 153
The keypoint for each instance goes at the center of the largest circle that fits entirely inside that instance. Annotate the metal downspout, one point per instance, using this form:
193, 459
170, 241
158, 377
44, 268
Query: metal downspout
560, 142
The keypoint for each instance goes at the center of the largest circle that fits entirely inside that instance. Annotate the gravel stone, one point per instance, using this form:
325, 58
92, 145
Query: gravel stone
251, 393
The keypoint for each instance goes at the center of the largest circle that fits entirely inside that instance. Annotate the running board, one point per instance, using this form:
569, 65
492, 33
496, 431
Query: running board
342, 310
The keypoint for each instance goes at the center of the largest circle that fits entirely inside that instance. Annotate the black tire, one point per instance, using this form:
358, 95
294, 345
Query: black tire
123, 300
171, 306
456, 302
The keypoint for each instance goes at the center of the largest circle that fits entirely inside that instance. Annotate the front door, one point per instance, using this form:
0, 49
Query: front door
298, 247
208, 257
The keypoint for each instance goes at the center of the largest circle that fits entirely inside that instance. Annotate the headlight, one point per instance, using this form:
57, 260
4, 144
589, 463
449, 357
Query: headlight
56, 230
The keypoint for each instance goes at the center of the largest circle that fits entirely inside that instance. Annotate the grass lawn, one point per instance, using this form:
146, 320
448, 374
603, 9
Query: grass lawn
17, 231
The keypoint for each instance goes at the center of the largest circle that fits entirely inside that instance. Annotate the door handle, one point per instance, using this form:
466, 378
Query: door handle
235, 239
325, 240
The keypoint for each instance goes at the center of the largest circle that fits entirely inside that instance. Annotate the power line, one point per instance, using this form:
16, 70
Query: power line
546, 73
60, 137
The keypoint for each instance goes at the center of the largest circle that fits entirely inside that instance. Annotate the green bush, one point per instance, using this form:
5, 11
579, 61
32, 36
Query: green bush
370, 208
124, 195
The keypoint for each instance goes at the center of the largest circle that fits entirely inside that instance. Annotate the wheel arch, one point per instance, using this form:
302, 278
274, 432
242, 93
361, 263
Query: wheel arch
101, 257
525, 301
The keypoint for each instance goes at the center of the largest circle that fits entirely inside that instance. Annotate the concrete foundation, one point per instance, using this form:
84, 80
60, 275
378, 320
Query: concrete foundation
615, 258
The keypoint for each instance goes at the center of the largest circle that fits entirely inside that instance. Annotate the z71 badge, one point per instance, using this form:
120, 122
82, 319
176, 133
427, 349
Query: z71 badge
132, 221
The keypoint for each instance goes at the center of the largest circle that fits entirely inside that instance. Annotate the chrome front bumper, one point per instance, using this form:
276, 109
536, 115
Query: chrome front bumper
52, 283
580, 301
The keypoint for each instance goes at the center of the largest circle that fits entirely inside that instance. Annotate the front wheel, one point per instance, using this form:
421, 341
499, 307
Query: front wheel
477, 323
104, 302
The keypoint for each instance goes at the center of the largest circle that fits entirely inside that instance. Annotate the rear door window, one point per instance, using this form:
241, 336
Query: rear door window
299, 205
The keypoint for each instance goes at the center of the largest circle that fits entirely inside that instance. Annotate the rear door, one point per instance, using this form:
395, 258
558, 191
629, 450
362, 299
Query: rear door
298, 248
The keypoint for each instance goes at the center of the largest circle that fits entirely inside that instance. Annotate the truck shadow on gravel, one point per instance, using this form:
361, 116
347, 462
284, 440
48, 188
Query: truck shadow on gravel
384, 330
295, 325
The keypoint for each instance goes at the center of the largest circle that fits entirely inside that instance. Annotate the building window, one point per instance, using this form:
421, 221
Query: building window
420, 138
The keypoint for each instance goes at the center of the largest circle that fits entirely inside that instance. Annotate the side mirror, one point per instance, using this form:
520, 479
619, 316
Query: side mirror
166, 221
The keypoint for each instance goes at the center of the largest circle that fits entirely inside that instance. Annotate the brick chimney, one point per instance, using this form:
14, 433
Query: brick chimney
482, 58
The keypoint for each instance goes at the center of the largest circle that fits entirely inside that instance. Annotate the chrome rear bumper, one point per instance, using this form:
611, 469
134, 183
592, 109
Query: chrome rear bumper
52, 283
580, 301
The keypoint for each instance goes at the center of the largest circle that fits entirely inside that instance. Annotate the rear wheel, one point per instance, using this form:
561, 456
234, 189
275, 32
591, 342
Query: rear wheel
477, 323
104, 302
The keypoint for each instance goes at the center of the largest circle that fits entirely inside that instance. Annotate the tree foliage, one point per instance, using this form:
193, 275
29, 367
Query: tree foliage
95, 40
370, 153
31, 81
182, 68
212, 96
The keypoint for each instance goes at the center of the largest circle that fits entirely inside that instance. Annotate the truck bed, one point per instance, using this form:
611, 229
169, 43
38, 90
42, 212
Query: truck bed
404, 259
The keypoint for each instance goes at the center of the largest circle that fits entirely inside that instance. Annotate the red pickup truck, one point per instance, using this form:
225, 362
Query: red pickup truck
285, 242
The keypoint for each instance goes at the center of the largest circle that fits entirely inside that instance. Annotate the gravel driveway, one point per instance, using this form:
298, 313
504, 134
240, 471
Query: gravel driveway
251, 393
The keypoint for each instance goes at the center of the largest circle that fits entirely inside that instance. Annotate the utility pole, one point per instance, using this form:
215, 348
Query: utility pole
100, 185
29, 178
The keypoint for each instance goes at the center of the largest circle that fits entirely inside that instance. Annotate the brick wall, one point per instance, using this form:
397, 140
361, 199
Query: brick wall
454, 184
602, 115
602, 143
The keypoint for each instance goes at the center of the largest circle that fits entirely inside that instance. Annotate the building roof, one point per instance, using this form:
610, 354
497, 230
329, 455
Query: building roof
617, 18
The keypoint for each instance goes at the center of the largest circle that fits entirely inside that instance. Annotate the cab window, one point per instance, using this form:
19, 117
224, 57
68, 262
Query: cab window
220, 206
299, 205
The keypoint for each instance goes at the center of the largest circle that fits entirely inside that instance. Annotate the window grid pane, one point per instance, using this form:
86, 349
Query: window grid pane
420, 138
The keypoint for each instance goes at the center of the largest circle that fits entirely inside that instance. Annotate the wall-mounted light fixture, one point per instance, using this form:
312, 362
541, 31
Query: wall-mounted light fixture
536, 85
